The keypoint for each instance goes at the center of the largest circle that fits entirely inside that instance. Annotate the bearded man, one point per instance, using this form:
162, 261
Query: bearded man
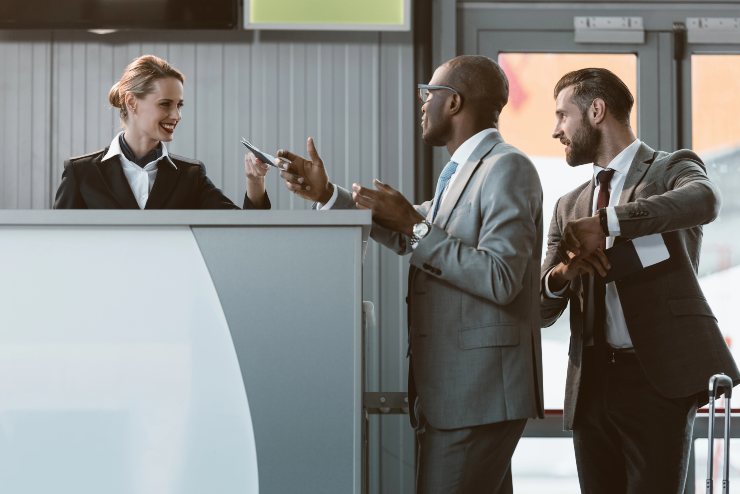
643, 346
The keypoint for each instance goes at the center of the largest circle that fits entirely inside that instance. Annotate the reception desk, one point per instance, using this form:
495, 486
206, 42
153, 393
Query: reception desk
181, 351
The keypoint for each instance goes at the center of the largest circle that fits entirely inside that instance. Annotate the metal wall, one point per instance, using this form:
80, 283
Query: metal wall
353, 92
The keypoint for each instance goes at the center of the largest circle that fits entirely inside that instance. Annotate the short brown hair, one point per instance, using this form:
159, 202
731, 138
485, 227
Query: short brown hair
591, 83
138, 78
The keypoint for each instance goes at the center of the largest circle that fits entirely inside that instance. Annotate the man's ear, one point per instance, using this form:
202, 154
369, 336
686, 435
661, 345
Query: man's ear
455, 103
597, 111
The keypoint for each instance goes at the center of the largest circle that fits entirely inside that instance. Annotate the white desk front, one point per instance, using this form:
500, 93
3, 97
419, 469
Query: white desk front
180, 352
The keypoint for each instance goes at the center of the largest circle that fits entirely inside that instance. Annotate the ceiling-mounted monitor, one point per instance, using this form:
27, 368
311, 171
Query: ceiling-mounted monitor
119, 14
328, 15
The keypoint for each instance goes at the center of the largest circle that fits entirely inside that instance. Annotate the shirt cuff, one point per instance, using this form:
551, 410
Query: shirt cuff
550, 294
330, 203
613, 222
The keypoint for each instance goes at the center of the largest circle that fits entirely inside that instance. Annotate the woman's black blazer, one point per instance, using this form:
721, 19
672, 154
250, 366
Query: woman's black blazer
88, 182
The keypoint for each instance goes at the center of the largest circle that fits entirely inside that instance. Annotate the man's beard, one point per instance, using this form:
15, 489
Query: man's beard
437, 135
583, 145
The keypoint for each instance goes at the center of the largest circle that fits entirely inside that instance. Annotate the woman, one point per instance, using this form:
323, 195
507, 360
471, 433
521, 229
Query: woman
136, 171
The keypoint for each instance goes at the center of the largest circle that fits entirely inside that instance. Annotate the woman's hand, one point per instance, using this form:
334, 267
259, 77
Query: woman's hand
255, 171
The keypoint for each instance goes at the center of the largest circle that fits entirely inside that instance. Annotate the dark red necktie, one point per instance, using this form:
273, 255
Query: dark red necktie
602, 200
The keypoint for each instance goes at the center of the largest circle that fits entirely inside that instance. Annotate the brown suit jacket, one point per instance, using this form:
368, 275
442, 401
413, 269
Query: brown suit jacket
88, 182
675, 334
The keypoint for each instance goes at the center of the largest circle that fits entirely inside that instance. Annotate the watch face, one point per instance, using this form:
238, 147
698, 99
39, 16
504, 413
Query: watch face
421, 229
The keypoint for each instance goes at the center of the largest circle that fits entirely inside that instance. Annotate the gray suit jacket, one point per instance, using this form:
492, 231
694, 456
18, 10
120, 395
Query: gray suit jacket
473, 296
675, 334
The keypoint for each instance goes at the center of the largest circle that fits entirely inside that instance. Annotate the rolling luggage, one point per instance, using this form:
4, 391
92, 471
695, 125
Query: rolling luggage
718, 384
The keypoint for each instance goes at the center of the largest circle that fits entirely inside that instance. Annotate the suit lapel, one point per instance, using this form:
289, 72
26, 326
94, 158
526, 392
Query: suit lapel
461, 181
112, 173
584, 202
638, 168
167, 176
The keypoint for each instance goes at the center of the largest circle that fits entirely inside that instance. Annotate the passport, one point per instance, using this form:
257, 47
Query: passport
631, 256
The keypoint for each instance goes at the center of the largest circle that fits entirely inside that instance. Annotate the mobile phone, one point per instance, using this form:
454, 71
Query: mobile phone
263, 157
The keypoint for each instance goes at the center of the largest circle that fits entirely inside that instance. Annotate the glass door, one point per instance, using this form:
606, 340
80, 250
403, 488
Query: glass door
711, 100
689, 102
533, 63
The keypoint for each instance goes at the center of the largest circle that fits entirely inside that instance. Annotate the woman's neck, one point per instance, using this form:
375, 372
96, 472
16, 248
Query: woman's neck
140, 145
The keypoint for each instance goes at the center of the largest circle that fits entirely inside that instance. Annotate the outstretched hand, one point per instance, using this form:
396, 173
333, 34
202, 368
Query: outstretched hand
390, 208
306, 178
255, 171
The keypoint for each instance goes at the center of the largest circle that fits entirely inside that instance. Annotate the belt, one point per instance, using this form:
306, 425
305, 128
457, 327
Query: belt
620, 355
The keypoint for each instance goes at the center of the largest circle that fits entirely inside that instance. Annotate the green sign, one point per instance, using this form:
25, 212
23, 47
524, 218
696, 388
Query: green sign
328, 13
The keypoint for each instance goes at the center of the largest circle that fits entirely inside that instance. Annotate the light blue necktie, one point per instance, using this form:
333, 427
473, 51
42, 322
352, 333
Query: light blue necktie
447, 172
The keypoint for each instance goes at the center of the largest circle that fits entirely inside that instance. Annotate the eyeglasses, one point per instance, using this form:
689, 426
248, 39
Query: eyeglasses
424, 90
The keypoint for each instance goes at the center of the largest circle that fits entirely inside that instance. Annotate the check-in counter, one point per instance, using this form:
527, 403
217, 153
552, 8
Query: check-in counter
181, 351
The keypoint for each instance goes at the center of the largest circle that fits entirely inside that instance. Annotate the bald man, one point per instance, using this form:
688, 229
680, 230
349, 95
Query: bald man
474, 326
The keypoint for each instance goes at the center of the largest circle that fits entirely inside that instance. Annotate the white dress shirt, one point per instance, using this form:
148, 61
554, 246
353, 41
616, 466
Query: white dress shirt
141, 180
616, 327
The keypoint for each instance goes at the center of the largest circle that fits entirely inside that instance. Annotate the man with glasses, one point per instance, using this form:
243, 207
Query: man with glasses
474, 328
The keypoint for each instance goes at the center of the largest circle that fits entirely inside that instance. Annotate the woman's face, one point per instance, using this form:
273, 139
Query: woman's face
155, 116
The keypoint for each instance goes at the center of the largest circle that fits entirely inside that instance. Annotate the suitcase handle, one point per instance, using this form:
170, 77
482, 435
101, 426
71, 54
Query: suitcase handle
718, 383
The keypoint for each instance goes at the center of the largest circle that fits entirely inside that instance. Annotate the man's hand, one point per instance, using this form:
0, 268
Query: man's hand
563, 274
390, 209
580, 238
306, 178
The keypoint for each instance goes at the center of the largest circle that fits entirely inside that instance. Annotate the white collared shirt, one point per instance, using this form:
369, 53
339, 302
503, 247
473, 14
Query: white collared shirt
621, 165
616, 327
141, 180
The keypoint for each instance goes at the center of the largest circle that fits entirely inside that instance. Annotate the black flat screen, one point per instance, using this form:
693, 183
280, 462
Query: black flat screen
118, 14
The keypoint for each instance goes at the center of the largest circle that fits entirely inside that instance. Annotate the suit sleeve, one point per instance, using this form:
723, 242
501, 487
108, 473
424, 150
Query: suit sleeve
551, 308
690, 199
68, 194
397, 242
511, 209
210, 196
250, 205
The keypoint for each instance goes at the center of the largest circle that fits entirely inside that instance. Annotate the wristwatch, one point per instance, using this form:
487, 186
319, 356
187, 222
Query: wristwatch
419, 231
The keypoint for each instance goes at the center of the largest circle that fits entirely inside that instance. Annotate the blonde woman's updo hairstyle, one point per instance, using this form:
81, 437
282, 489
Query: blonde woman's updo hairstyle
138, 78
